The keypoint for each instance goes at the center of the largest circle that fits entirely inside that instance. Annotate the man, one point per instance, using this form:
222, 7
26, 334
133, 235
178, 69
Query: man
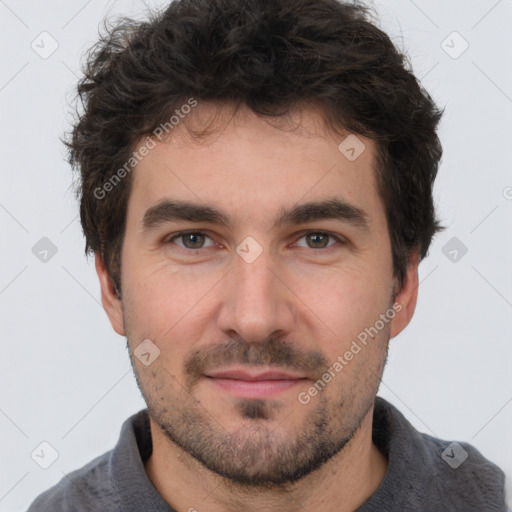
256, 185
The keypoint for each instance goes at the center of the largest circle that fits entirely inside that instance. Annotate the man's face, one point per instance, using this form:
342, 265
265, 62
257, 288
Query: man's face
248, 316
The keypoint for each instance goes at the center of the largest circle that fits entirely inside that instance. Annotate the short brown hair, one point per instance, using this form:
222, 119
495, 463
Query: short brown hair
270, 56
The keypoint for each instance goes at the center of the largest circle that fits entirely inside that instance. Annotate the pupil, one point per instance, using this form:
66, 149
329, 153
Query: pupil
315, 238
196, 240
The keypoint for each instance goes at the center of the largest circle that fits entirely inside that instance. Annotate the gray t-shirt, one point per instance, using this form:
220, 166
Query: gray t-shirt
424, 474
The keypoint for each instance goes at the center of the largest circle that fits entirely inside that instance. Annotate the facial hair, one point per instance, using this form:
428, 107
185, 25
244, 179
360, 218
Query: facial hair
258, 454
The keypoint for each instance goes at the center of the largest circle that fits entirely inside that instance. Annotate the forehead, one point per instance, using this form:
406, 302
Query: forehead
254, 165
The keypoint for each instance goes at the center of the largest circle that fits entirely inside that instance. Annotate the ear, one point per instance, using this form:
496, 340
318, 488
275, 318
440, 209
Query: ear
406, 298
111, 302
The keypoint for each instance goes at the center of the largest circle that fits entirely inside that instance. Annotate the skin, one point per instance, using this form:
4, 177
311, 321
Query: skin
296, 302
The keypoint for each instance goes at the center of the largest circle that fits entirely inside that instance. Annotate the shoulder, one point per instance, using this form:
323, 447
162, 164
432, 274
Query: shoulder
430, 473
462, 473
107, 481
86, 489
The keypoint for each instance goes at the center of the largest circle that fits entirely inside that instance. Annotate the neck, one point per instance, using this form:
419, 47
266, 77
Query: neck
342, 484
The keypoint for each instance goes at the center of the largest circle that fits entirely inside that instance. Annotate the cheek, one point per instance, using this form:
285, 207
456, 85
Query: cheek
345, 304
168, 308
158, 292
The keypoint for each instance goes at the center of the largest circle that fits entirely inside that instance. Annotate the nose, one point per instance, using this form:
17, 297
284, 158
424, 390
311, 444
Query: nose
256, 303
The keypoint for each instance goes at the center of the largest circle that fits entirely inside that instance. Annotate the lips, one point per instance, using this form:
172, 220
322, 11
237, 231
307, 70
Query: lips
252, 376
246, 383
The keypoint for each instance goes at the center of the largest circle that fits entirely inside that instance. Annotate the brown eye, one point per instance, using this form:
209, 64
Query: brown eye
193, 240
317, 240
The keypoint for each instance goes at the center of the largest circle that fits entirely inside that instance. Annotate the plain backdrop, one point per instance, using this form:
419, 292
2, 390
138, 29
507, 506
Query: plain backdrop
65, 376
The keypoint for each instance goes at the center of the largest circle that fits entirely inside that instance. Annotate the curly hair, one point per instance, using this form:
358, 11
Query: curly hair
271, 56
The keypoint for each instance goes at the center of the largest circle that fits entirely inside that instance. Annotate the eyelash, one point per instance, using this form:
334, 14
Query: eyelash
339, 239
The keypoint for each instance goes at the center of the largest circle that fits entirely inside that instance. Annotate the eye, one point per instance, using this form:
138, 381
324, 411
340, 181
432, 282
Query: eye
191, 240
319, 240
199, 240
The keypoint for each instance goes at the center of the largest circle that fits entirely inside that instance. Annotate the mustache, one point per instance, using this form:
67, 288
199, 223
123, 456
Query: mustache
272, 352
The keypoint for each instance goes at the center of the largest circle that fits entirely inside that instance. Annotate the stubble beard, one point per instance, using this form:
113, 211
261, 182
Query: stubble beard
262, 453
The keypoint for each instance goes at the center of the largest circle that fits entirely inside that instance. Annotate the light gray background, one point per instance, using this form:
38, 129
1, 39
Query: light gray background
65, 376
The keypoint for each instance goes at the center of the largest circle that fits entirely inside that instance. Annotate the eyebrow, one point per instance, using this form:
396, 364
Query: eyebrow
334, 208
